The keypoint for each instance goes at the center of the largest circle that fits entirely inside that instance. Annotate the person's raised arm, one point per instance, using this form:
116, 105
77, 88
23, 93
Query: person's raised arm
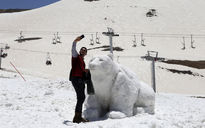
74, 51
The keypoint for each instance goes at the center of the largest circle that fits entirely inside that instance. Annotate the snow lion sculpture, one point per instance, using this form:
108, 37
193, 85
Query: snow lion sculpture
118, 92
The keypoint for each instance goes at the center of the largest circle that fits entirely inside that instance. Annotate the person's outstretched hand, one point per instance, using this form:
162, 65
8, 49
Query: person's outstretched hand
77, 39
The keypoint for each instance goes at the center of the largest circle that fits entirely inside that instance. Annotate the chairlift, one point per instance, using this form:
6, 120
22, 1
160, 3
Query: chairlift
143, 43
57, 38
134, 42
48, 59
192, 45
54, 41
142, 40
183, 43
21, 37
97, 40
48, 62
7, 47
91, 40
183, 48
134, 45
192, 42
4, 55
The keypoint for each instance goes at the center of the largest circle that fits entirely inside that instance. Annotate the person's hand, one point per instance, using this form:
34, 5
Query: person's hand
77, 39
86, 70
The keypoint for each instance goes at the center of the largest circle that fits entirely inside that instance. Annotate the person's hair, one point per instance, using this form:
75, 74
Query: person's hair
84, 48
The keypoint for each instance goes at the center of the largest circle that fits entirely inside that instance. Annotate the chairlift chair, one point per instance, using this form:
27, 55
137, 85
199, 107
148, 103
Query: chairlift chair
48, 60
97, 40
134, 45
7, 47
20, 37
58, 40
134, 42
142, 39
4, 55
183, 43
192, 42
91, 42
142, 43
54, 41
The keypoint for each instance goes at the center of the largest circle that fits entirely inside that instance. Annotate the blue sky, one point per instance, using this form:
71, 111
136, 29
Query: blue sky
24, 4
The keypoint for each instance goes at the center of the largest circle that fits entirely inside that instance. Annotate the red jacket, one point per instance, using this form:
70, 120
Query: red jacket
78, 66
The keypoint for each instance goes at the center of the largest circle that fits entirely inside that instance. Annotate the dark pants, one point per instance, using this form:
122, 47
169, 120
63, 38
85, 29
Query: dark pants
79, 87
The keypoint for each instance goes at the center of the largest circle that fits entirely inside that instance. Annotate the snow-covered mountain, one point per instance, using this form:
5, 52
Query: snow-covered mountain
47, 99
164, 33
173, 16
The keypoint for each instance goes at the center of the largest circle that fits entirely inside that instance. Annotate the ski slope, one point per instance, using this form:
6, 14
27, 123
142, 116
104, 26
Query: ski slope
69, 18
47, 98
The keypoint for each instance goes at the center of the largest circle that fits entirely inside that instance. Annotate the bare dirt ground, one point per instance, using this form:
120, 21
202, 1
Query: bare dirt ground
12, 10
194, 64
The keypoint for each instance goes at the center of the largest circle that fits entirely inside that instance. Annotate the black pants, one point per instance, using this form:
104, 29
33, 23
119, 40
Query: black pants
79, 87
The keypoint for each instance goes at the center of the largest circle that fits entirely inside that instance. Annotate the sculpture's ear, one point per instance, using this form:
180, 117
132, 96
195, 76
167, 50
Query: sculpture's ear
110, 55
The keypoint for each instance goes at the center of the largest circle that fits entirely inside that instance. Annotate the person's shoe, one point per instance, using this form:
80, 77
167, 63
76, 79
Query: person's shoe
84, 120
78, 118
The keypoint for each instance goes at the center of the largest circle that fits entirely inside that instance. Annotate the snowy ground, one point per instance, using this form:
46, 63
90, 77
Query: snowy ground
47, 98
46, 103
162, 33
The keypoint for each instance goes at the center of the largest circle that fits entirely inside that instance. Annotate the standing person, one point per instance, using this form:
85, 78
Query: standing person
76, 77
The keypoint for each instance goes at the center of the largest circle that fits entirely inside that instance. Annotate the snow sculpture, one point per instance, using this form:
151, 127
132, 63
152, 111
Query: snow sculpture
118, 92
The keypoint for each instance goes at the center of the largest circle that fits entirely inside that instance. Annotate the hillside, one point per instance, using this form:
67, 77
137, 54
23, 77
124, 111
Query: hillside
177, 23
12, 10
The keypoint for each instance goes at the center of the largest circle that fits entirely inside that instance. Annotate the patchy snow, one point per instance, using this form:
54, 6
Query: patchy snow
163, 33
46, 103
47, 98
